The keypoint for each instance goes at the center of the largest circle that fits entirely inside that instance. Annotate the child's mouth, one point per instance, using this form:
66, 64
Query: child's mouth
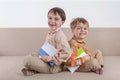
52, 25
81, 33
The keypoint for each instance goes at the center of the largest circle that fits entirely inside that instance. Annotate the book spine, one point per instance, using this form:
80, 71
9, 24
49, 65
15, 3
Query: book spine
52, 64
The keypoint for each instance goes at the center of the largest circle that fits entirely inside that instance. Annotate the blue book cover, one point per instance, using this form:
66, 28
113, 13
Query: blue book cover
48, 50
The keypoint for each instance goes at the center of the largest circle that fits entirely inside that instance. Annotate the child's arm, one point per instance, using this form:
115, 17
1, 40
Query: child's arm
64, 49
77, 61
87, 52
46, 58
84, 58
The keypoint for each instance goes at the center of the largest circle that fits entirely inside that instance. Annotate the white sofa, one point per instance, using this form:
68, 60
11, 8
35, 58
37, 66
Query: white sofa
15, 43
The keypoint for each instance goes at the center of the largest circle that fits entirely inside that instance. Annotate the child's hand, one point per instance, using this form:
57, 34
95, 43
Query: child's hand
40, 57
46, 58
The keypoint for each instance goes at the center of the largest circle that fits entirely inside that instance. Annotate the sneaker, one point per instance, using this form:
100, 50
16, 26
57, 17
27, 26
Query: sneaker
99, 71
28, 72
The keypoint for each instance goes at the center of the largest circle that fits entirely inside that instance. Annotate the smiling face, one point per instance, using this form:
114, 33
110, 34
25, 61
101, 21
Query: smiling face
80, 31
54, 20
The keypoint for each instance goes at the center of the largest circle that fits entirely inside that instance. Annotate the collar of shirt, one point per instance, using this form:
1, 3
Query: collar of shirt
53, 32
79, 41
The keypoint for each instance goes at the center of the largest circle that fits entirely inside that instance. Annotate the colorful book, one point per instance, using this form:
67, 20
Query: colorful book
48, 50
80, 53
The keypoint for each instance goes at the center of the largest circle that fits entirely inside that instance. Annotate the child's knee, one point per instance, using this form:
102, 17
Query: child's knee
95, 64
27, 61
98, 52
34, 54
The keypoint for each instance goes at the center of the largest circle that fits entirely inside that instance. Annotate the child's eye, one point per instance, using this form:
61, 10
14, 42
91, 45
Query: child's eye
85, 28
56, 19
78, 27
49, 18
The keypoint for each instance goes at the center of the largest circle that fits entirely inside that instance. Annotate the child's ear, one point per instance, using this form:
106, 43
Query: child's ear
72, 31
63, 22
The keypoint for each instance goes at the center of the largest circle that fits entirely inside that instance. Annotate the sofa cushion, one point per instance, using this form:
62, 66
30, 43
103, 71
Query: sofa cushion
10, 69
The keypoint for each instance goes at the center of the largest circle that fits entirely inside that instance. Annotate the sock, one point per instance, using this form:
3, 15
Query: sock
28, 72
99, 71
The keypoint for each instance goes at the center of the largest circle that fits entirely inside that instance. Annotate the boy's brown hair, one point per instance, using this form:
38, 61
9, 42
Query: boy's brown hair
78, 20
60, 11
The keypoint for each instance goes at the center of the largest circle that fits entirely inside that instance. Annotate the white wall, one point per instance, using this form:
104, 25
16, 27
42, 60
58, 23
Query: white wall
33, 13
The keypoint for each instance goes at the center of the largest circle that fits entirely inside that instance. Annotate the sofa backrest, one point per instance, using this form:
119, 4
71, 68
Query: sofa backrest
22, 41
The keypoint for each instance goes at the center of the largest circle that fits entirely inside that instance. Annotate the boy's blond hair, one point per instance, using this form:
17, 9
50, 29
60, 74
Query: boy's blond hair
78, 20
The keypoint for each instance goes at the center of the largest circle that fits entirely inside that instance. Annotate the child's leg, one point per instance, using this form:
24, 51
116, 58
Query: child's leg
34, 63
28, 72
89, 65
97, 54
55, 69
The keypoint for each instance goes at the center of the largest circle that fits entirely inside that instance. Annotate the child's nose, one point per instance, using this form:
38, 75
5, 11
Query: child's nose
82, 29
53, 20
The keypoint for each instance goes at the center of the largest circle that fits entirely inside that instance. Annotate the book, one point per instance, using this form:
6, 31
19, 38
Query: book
80, 53
72, 69
48, 50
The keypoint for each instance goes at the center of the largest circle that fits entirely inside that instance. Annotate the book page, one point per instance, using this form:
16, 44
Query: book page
73, 68
49, 49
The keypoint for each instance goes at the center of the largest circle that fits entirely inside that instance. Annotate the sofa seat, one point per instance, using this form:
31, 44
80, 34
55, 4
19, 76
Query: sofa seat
10, 69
